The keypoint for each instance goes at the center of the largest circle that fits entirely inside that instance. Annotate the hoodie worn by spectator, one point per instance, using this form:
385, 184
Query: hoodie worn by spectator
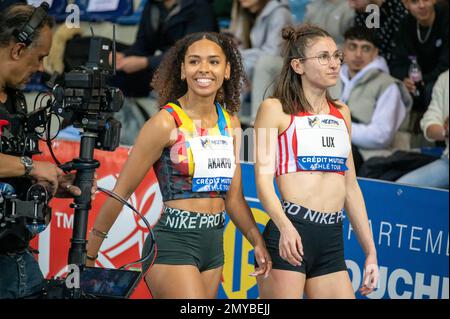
437, 111
379, 105
434, 174
333, 16
265, 35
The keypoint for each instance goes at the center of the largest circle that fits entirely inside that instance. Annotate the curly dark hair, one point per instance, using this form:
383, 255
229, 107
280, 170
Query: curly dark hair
167, 79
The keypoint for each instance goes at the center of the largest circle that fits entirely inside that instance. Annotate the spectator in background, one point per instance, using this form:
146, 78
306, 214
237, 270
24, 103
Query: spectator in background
423, 34
434, 125
257, 25
334, 16
163, 22
392, 13
378, 102
6, 3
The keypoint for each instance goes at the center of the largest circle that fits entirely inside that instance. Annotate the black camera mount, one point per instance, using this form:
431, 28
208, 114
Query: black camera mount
86, 101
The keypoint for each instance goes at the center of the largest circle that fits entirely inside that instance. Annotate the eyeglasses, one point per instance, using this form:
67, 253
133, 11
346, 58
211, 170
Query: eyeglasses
325, 58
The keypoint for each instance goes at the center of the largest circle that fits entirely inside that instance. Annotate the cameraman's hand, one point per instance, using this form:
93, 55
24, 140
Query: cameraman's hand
47, 173
131, 64
67, 189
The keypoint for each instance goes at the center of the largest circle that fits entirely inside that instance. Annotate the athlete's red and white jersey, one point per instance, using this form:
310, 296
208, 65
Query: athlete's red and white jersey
314, 142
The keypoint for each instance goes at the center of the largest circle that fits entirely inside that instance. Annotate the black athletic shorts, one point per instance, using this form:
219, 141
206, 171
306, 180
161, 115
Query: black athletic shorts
322, 239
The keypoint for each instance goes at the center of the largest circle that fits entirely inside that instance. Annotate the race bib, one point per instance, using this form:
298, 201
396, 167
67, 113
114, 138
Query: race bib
213, 163
322, 143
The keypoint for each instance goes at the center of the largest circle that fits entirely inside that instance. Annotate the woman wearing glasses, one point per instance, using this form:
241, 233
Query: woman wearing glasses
303, 139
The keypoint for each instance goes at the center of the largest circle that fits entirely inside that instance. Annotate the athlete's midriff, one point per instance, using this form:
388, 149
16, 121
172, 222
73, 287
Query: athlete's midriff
199, 205
319, 191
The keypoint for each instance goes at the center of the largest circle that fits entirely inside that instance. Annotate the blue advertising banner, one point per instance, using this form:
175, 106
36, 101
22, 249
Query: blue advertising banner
410, 230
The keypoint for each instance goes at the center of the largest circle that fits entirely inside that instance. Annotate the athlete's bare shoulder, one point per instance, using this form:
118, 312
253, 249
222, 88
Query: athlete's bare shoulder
271, 105
161, 125
271, 115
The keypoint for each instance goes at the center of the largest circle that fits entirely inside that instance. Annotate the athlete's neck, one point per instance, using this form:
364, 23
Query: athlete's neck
316, 97
199, 108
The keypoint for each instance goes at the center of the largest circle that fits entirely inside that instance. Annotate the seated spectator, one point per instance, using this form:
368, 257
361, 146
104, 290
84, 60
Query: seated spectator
334, 16
434, 125
163, 22
392, 13
257, 25
378, 102
423, 34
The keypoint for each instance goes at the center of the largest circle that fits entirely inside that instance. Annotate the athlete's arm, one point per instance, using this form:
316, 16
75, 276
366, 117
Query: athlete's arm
155, 135
267, 127
356, 211
240, 213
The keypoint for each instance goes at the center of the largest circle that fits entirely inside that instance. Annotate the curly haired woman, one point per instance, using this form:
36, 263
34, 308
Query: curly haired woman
192, 146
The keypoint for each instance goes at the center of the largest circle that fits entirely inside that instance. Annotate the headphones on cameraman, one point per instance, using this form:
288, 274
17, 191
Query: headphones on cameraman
26, 34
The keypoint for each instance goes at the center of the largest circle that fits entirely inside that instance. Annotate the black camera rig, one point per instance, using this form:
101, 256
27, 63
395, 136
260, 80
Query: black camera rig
86, 100
33, 210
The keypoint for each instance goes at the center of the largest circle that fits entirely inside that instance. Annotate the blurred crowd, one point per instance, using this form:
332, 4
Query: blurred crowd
394, 77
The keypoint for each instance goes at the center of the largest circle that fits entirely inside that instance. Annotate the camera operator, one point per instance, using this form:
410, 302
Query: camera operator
20, 276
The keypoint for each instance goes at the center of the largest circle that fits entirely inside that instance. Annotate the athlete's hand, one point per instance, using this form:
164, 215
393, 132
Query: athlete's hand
371, 275
291, 247
262, 256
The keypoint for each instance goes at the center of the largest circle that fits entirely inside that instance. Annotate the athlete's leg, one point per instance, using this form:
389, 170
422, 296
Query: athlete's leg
211, 281
281, 284
175, 282
335, 285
